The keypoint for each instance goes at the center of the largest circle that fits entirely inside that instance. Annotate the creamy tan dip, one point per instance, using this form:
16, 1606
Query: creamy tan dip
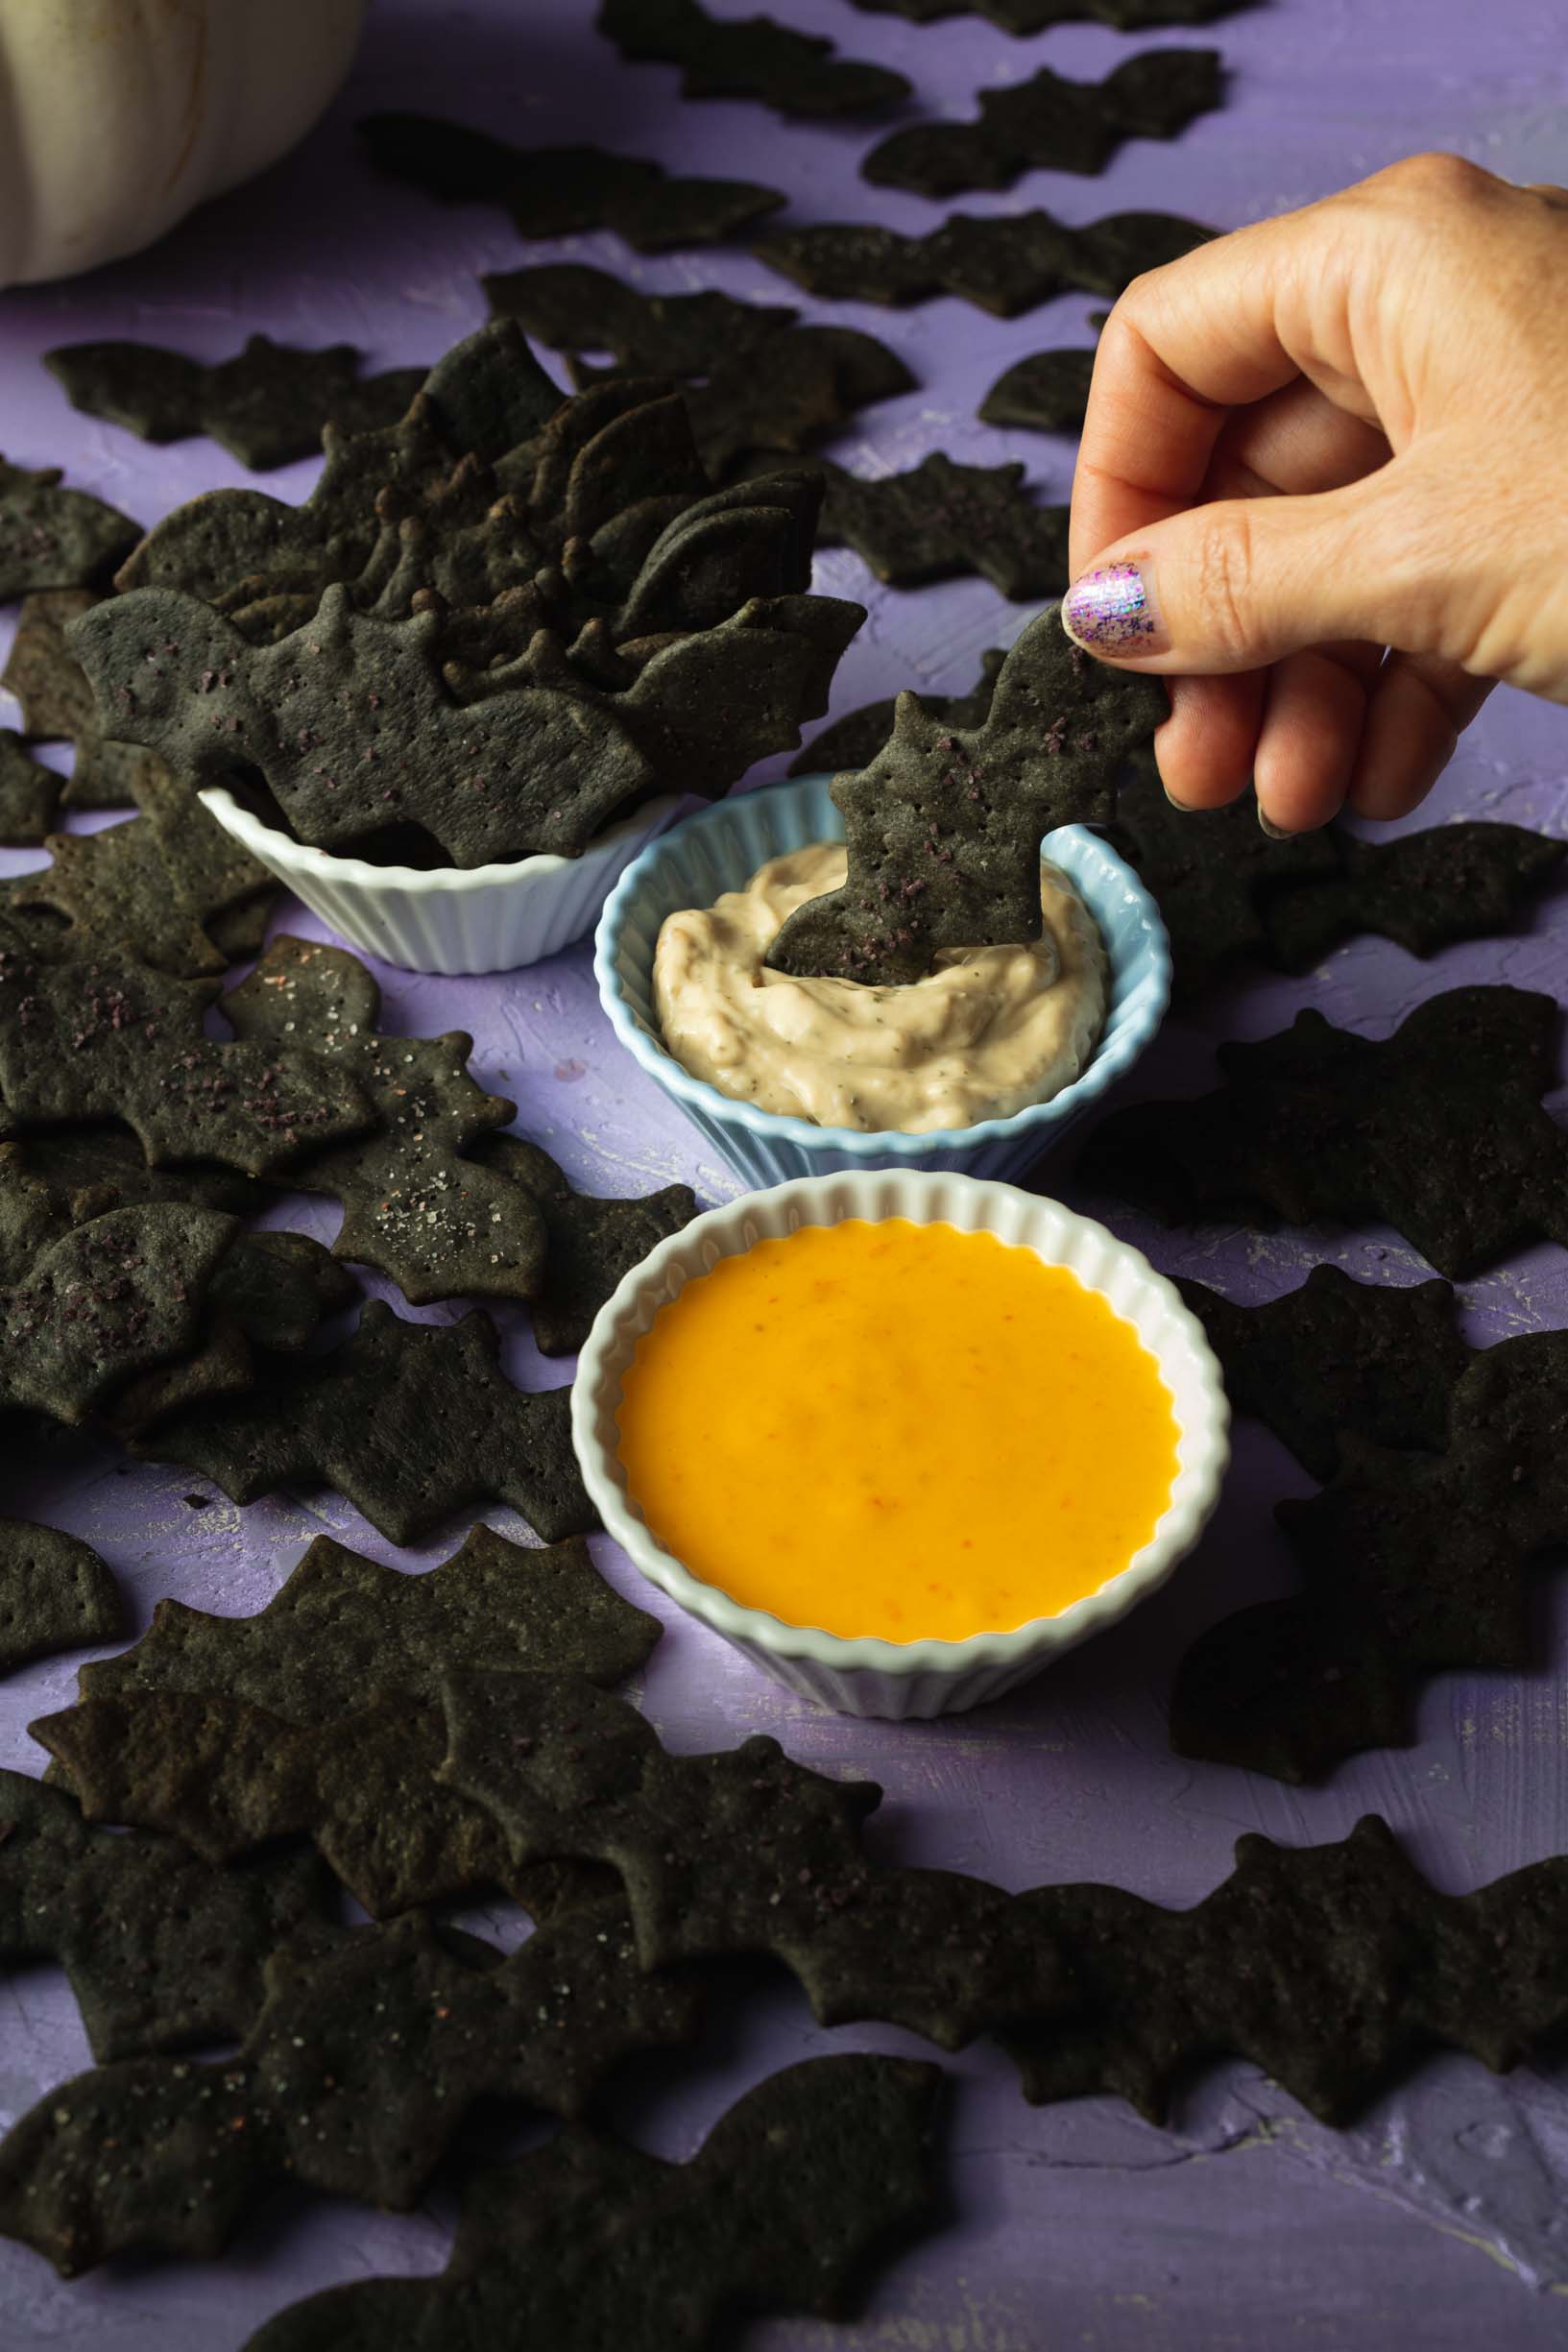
985, 1031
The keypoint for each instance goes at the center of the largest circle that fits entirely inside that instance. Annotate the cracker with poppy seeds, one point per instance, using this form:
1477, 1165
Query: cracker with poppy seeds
96, 1037
944, 827
369, 2051
162, 887
266, 406
1050, 124
855, 739
570, 306
280, 1286
226, 1778
117, 1298
1045, 393
29, 795
407, 1421
159, 1947
589, 2241
1437, 1130
272, 1292
562, 191
754, 56
110, 889
941, 519
343, 1630
1006, 265
1332, 1968
415, 1204
743, 1852
55, 1594
1414, 1564
58, 704
1024, 16
1335, 1358
98, 1165
51, 537
591, 1244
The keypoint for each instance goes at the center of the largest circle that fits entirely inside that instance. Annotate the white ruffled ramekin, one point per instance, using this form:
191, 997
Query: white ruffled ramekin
915, 1678
482, 919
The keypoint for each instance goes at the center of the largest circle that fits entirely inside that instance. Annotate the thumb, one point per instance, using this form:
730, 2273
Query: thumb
1239, 584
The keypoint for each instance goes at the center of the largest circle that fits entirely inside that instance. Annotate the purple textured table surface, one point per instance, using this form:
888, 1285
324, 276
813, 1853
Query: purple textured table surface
1440, 2218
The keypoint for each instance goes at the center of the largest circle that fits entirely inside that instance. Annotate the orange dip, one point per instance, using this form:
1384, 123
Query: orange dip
896, 1429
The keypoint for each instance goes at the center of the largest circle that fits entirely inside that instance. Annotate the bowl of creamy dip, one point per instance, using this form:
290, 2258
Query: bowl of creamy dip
977, 1068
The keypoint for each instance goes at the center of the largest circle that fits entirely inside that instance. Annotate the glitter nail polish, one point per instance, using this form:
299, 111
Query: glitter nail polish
1111, 611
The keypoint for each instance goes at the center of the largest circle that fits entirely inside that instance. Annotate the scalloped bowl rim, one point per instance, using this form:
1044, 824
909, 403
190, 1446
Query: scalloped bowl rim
253, 834
1113, 1057
1202, 1456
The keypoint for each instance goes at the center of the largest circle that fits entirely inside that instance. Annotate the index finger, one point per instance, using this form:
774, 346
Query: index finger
1185, 345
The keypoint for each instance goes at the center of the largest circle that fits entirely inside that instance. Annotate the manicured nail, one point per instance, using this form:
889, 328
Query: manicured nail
1275, 833
1112, 611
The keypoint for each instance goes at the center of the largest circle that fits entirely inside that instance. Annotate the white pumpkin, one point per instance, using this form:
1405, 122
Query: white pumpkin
116, 116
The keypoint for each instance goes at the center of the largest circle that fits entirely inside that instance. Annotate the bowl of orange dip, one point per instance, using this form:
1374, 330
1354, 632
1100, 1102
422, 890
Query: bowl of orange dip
901, 1438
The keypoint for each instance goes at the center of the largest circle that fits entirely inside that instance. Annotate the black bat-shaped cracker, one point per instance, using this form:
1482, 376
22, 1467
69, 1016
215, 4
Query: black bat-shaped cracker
1416, 1564
1004, 264
228, 1777
794, 73
415, 1202
51, 537
561, 191
941, 517
944, 827
159, 1946
267, 405
102, 1036
1330, 1967
55, 1594
1437, 1130
1050, 124
589, 2241
369, 2049
410, 1422
342, 1631
1337, 1359
1025, 16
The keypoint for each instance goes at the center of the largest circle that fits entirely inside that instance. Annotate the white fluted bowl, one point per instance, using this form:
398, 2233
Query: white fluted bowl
451, 919
908, 1678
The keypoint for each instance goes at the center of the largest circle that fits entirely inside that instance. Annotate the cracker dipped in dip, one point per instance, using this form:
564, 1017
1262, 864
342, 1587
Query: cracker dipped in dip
987, 1030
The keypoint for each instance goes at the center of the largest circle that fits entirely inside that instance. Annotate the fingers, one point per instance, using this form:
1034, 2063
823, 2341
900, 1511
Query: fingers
1240, 583
1419, 707
1183, 347
1307, 746
1296, 442
1337, 724
1206, 747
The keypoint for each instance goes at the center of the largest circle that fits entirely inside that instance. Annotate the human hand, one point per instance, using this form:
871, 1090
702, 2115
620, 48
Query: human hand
1323, 487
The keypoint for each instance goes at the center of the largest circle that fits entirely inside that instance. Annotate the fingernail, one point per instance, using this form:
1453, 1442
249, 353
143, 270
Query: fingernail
1185, 806
1112, 611
1275, 833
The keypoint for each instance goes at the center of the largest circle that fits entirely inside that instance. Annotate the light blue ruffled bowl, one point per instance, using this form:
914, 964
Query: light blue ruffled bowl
720, 849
